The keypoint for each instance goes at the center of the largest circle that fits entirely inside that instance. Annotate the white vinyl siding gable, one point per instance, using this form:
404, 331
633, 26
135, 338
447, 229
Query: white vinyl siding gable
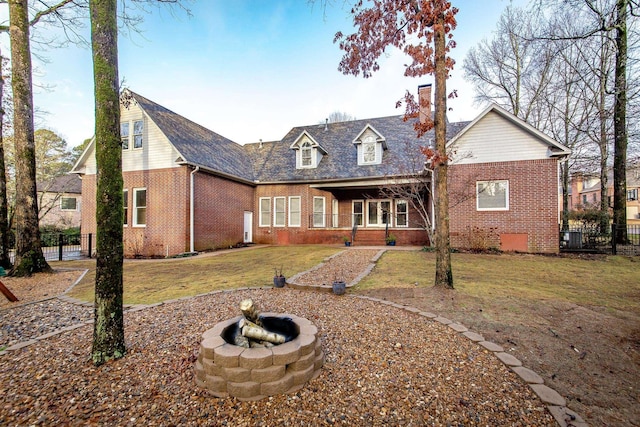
156, 152
495, 139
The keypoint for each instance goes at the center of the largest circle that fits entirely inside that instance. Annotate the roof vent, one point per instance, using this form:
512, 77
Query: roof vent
326, 125
260, 146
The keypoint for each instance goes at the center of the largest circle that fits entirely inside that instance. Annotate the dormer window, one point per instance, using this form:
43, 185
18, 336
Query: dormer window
305, 154
370, 145
308, 152
369, 150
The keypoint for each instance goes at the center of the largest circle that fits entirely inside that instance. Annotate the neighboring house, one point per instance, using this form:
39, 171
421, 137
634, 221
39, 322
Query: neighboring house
585, 192
59, 202
188, 188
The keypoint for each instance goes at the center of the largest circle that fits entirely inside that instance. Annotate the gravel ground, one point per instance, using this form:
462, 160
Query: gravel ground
346, 266
384, 366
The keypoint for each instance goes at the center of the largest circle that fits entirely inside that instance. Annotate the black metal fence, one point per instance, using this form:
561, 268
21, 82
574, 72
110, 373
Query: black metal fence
593, 239
64, 246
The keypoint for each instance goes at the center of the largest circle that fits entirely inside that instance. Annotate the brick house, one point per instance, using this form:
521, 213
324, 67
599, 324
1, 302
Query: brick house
60, 202
190, 189
585, 192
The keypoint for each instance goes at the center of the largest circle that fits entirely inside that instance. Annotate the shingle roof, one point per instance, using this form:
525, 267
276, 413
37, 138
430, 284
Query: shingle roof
276, 161
197, 144
62, 184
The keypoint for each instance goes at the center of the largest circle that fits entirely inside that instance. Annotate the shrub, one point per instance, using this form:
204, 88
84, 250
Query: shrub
481, 239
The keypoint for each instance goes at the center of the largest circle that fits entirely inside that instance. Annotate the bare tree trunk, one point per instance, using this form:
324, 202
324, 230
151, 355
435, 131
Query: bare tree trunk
603, 142
29, 257
108, 331
5, 261
444, 275
620, 126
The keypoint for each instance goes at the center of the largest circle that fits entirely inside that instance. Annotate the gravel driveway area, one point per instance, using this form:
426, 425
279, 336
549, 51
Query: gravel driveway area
384, 365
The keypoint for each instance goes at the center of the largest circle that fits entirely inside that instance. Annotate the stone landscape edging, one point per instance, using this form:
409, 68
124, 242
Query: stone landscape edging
555, 403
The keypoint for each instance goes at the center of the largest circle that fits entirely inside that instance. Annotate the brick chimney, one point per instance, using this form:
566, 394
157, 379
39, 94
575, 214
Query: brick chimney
424, 97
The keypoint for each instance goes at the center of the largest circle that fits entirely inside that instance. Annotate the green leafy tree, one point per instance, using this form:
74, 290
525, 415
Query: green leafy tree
420, 29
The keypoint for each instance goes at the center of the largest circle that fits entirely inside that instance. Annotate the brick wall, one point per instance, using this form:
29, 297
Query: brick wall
293, 235
218, 211
219, 207
329, 235
533, 205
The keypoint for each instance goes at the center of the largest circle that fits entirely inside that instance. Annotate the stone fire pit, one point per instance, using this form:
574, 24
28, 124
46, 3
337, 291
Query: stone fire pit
226, 369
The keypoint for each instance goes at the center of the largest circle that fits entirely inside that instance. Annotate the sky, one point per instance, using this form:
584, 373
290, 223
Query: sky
248, 70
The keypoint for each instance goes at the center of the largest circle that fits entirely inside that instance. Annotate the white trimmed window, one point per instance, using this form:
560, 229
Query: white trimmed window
68, 204
378, 212
402, 213
318, 212
279, 211
357, 212
492, 195
124, 135
139, 207
265, 212
294, 211
369, 150
305, 155
125, 206
138, 128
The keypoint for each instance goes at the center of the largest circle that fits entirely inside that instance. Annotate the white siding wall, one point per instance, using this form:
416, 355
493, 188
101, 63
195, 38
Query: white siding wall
495, 139
156, 152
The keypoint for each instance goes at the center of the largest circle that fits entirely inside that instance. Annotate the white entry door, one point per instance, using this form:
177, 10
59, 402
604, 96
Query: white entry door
248, 227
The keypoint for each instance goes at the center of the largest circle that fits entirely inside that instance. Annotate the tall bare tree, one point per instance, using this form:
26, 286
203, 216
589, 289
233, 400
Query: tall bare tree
511, 69
420, 29
29, 258
608, 19
108, 331
5, 261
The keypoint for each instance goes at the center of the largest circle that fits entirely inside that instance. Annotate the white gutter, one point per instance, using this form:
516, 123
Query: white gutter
191, 207
433, 206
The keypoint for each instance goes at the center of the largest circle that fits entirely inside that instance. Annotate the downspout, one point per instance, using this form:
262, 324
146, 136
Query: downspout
433, 206
191, 207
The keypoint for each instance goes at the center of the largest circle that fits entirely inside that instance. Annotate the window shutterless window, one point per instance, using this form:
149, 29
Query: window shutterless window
279, 211
305, 154
265, 212
139, 207
138, 127
294, 211
124, 135
632, 194
68, 204
492, 195
379, 212
318, 211
358, 212
125, 206
369, 150
402, 213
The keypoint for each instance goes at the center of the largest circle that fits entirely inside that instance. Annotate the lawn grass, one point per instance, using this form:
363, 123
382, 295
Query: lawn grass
147, 282
612, 282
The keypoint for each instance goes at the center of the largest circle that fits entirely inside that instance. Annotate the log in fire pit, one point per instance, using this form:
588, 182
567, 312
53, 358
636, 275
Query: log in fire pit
258, 355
